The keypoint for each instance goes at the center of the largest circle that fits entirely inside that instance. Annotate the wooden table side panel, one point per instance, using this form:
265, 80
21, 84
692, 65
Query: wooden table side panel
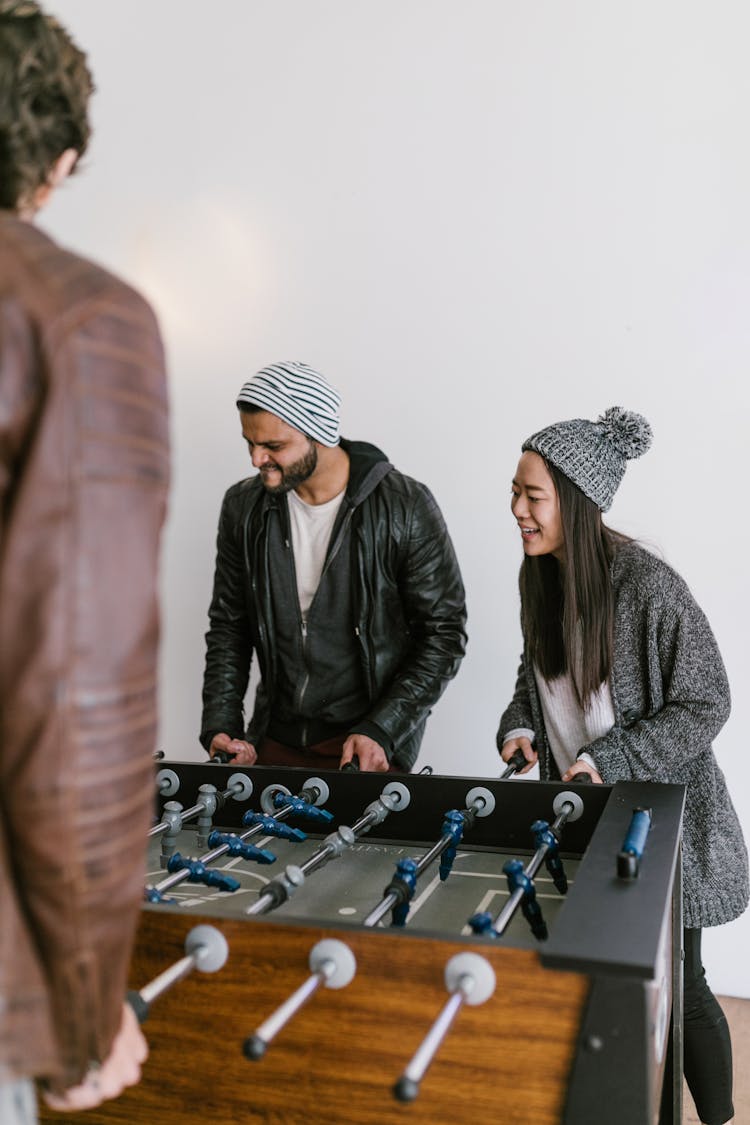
336, 1062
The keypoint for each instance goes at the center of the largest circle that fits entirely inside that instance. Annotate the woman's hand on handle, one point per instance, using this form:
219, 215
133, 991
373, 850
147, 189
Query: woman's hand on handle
524, 745
581, 767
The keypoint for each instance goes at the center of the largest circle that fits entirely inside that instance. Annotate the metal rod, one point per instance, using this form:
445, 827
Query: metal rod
267, 901
380, 910
318, 859
215, 853
390, 900
206, 950
425, 1053
170, 976
196, 810
343, 837
158, 829
278, 1019
469, 979
504, 917
328, 850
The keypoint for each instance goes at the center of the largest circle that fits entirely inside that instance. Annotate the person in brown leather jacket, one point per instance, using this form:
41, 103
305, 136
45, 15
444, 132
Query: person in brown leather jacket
83, 479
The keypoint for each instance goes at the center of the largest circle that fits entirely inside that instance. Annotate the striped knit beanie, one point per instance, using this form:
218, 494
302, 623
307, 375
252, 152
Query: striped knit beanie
593, 454
298, 395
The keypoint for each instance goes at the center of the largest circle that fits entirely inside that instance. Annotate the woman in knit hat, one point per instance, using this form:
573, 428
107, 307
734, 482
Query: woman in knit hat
621, 679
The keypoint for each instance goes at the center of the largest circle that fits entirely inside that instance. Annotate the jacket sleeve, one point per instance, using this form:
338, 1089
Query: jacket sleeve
517, 715
229, 647
689, 704
433, 600
84, 467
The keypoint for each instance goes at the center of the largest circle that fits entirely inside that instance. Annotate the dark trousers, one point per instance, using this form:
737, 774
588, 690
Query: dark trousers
708, 1048
324, 755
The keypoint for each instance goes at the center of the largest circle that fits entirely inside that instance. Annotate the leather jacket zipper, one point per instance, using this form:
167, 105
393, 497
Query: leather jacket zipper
363, 633
306, 681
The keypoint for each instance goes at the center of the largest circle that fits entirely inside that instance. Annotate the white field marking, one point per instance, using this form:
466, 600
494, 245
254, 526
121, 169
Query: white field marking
417, 902
483, 907
485, 902
542, 876
420, 900
496, 875
555, 894
230, 864
255, 880
476, 874
212, 895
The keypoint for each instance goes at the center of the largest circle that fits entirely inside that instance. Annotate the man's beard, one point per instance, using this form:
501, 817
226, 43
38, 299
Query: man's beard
294, 475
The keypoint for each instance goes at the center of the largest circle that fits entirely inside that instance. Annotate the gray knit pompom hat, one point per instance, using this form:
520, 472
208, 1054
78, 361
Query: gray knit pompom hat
593, 454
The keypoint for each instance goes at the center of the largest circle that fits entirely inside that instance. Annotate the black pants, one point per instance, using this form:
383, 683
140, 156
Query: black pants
708, 1048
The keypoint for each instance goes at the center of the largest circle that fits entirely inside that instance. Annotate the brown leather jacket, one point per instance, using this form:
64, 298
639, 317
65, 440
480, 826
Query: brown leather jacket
83, 478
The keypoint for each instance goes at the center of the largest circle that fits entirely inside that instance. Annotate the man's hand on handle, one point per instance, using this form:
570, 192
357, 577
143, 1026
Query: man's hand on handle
242, 753
372, 757
120, 1069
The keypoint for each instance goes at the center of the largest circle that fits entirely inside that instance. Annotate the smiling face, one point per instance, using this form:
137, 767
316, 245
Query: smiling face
536, 507
284, 457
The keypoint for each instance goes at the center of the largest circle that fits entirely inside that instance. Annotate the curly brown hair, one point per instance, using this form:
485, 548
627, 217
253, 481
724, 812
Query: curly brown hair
45, 86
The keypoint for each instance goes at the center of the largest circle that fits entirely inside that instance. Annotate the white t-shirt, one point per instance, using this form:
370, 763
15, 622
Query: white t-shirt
311, 527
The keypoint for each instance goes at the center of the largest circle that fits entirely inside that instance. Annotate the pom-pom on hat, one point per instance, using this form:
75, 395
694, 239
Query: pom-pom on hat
300, 396
594, 454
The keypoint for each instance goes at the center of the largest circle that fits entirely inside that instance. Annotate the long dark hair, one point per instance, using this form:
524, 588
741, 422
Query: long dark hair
564, 606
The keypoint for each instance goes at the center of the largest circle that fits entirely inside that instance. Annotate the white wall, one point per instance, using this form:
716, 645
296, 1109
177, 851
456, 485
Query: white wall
476, 218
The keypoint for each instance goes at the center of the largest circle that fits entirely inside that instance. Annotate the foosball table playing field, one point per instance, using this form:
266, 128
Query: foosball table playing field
374, 948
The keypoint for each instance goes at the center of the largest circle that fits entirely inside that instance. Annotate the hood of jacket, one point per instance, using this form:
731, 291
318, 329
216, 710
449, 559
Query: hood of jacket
368, 465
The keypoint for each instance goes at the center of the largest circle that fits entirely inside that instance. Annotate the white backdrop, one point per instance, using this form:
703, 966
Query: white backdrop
476, 218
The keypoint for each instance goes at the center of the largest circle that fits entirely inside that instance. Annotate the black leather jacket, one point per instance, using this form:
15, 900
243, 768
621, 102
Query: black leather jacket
408, 598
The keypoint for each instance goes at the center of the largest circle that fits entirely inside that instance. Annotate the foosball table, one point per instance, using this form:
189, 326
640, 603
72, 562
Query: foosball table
377, 948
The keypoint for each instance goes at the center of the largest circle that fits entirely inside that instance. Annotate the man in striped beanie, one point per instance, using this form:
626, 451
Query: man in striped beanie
338, 572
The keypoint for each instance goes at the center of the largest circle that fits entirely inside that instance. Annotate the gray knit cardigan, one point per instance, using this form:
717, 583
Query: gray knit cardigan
671, 698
